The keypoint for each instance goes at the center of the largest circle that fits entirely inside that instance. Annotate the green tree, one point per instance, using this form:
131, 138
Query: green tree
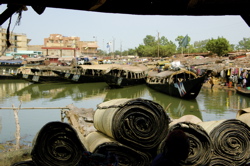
179, 39
181, 49
200, 46
218, 46
149, 41
244, 44
131, 51
153, 47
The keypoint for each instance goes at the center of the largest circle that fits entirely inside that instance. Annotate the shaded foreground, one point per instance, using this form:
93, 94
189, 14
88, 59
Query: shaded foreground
134, 132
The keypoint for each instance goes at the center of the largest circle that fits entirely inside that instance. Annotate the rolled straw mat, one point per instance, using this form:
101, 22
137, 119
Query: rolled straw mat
186, 118
200, 152
137, 122
244, 115
100, 143
57, 144
231, 139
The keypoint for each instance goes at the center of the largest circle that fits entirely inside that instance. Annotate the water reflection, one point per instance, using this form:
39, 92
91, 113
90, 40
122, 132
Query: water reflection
59, 91
210, 104
221, 100
137, 91
176, 107
8, 87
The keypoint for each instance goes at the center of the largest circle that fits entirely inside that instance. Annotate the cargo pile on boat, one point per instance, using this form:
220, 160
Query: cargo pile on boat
135, 131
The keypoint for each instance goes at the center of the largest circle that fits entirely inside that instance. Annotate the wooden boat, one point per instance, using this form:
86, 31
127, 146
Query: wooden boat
40, 74
118, 76
181, 83
84, 73
243, 91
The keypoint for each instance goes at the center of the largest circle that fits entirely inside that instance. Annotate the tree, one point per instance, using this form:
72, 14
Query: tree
180, 40
244, 44
218, 46
149, 41
131, 51
200, 46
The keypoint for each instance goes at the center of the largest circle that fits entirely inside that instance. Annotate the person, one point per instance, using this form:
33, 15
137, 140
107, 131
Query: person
176, 149
211, 81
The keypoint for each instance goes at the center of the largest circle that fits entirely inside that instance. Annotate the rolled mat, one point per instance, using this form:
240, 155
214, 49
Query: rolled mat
138, 123
231, 139
244, 115
57, 144
100, 143
24, 163
220, 161
186, 118
201, 146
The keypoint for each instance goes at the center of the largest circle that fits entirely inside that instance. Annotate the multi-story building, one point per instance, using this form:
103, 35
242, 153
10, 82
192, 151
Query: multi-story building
19, 42
54, 45
59, 45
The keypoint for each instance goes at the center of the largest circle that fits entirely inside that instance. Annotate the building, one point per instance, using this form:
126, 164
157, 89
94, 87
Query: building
54, 45
59, 45
19, 42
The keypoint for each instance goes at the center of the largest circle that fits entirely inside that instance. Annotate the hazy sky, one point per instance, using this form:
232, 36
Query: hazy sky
127, 31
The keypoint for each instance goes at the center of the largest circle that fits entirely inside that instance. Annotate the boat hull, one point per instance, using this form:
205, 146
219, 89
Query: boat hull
244, 92
185, 90
120, 82
42, 79
78, 78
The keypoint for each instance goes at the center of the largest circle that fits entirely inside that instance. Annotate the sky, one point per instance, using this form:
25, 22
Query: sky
123, 30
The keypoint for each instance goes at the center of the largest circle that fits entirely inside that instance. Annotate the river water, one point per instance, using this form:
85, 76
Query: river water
210, 104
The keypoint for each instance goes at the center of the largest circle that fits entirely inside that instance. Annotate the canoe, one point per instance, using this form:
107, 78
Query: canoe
243, 91
84, 73
119, 76
182, 83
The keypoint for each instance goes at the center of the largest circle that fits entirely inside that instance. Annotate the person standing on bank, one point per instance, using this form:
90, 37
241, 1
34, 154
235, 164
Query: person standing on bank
211, 81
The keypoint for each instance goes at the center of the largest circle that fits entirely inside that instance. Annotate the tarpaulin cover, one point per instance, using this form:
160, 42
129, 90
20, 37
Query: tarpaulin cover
201, 146
138, 123
231, 139
100, 143
57, 144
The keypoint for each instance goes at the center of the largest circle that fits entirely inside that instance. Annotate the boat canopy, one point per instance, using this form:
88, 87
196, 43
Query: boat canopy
11, 61
129, 68
169, 73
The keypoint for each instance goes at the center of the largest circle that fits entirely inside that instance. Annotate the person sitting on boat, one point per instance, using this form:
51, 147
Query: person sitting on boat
176, 150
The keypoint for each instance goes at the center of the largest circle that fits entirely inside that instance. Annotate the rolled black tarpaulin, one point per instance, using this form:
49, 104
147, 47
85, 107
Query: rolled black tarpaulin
100, 143
231, 139
57, 144
138, 123
24, 163
220, 161
201, 147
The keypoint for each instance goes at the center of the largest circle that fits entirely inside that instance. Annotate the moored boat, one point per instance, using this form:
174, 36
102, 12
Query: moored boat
41, 74
118, 76
181, 83
243, 91
84, 73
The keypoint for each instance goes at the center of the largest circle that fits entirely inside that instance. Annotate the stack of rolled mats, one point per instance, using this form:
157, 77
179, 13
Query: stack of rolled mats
132, 129
58, 144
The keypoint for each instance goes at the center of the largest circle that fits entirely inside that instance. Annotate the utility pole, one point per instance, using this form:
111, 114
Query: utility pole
158, 44
114, 47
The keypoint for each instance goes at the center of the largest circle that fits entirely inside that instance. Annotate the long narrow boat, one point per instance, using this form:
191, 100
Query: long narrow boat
243, 91
182, 83
84, 73
40, 74
118, 76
